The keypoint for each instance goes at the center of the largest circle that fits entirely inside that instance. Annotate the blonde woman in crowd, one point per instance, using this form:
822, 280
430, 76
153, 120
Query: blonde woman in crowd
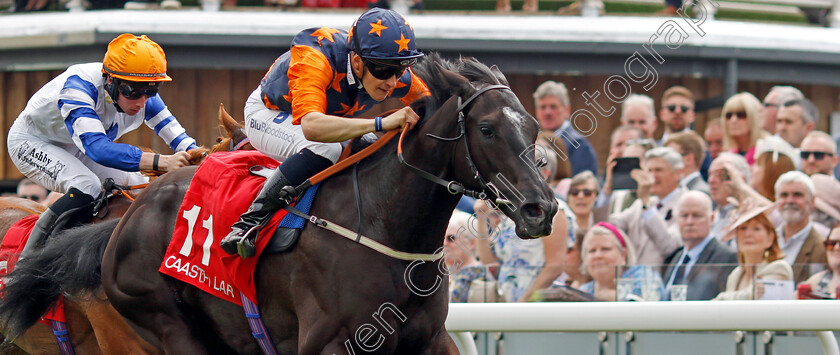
741, 116
606, 253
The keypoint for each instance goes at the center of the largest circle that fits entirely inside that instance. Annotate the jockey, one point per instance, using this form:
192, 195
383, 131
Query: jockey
306, 103
64, 138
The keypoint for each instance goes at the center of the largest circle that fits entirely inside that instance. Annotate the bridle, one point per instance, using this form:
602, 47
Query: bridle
455, 187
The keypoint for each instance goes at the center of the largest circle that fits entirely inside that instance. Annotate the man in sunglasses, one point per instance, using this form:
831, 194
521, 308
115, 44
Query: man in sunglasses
306, 103
677, 112
818, 154
64, 138
775, 98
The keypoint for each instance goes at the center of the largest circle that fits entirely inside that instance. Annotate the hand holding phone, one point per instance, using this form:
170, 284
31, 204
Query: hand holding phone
621, 179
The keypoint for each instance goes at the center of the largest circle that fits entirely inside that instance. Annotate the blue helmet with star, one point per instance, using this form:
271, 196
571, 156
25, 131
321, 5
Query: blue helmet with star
384, 36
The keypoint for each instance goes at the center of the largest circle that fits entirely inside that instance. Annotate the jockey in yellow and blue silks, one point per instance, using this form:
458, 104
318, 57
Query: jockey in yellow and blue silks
308, 101
64, 138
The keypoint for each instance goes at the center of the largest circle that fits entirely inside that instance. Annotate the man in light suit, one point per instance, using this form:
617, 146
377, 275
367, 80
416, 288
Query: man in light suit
650, 222
692, 149
799, 240
698, 263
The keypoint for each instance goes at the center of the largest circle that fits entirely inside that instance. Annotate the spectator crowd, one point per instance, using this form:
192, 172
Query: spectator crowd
746, 209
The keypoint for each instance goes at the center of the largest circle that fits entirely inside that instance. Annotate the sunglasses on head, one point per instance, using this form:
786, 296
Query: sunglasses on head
132, 93
586, 192
740, 114
673, 108
805, 154
384, 72
831, 244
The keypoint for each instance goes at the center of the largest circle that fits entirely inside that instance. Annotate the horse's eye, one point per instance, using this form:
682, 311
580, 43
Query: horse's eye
219, 140
486, 131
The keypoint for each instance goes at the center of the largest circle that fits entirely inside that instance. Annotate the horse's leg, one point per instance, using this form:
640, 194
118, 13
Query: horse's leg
112, 332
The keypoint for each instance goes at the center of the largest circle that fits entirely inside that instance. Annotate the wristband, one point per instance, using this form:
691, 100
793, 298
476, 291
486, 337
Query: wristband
155, 162
377, 124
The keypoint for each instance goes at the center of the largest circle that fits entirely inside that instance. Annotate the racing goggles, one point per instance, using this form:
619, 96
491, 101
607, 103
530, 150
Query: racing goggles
384, 70
137, 90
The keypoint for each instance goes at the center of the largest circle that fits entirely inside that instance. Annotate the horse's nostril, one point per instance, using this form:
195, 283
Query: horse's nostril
532, 210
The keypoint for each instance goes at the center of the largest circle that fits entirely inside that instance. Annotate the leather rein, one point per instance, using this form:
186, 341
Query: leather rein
453, 187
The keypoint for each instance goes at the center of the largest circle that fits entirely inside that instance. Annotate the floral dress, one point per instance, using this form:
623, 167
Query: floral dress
459, 283
521, 259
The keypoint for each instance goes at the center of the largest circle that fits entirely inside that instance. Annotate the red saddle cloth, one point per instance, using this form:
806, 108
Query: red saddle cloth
10, 249
221, 190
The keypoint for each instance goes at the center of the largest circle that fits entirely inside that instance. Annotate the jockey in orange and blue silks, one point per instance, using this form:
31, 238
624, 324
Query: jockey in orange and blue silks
308, 101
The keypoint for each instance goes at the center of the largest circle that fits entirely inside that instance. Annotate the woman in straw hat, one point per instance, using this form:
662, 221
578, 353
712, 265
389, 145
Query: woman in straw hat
759, 255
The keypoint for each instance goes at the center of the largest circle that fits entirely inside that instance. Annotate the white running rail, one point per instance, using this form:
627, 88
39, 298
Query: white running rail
810, 315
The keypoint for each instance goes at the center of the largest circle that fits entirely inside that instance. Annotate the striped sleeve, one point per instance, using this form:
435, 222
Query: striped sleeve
166, 126
77, 102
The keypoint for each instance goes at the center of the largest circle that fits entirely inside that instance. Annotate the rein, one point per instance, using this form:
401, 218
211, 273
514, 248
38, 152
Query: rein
112, 189
454, 187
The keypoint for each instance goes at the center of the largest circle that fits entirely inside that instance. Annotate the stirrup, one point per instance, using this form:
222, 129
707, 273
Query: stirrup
245, 246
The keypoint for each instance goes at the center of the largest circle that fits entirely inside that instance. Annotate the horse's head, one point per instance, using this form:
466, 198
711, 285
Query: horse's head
498, 157
233, 137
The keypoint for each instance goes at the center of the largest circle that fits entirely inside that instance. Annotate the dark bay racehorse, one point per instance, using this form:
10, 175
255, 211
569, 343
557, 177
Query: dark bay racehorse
330, 295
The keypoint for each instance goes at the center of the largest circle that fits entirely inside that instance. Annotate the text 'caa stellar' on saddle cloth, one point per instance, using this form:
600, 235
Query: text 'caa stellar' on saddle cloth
221, 190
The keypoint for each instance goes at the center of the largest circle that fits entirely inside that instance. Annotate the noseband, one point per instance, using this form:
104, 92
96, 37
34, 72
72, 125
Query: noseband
455, 187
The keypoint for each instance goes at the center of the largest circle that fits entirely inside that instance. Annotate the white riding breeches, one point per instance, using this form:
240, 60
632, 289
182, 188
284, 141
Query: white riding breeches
272, 132
59, 166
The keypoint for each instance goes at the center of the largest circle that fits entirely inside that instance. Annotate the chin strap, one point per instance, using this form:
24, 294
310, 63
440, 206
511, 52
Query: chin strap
112, 90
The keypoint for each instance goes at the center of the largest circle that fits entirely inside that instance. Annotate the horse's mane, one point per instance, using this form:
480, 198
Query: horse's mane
428, 70
63, 265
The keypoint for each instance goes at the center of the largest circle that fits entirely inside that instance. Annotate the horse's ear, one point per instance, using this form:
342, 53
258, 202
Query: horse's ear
227, 121
499, 75
457, 84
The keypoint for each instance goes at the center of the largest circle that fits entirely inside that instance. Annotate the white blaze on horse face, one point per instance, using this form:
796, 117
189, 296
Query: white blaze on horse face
515, 117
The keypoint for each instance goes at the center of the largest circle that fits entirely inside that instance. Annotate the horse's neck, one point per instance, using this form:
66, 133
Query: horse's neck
402, 209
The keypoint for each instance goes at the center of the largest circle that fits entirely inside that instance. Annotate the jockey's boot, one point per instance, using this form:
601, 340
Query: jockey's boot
65, 212
275, 194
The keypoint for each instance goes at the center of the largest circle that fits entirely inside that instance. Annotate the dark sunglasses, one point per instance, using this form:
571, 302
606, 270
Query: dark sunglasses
673, 108
586, 192
35, 198
831, 244
132, 93
817, 155
384, 72
740, 114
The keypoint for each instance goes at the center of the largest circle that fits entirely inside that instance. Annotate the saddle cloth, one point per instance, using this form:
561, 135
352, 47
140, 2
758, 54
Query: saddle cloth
221, 190
10, 249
